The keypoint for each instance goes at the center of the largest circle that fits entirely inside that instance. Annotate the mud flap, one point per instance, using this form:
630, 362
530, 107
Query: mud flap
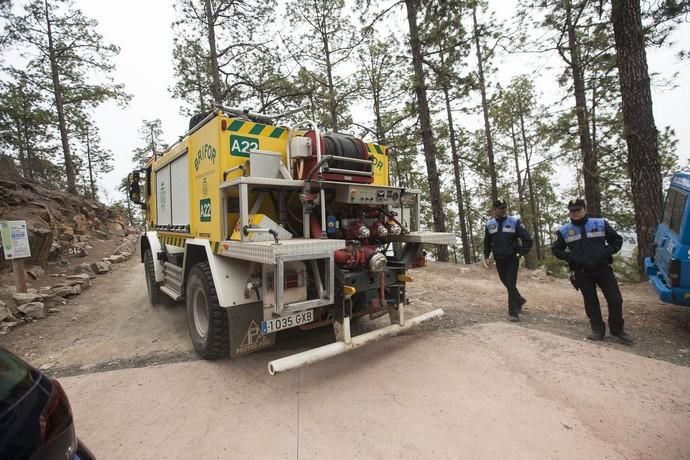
244, 324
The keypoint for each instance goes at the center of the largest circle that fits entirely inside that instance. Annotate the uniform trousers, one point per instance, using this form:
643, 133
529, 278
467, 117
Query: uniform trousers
507, 271
587, 281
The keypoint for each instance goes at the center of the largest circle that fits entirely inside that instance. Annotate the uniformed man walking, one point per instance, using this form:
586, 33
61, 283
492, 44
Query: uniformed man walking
507, 239
587, 244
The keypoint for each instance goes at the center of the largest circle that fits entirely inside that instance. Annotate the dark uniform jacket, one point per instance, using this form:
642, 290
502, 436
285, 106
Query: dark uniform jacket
587, 244
501, 237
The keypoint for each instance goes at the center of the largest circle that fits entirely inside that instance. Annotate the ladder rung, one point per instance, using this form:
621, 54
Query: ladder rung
171, 292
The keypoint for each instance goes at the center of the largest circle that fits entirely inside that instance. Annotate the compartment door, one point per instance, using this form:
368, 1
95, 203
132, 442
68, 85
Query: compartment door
179, 181
163, 196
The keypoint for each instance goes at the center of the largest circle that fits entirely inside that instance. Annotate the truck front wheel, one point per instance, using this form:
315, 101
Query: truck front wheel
155, 295
207, 321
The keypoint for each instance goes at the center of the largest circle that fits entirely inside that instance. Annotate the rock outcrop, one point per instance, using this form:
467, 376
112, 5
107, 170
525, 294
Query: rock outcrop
59, 223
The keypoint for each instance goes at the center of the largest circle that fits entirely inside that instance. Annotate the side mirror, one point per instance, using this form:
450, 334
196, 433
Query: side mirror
134, 188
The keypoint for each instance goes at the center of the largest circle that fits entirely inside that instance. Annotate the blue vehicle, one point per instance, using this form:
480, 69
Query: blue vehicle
669, 267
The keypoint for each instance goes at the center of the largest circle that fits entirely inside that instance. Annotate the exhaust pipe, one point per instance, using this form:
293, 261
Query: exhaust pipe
328, 351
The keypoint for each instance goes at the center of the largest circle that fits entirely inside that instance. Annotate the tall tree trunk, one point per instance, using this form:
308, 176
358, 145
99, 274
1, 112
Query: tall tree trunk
332, 105
518, 174
589, 160
393, 169
549, 223
60, 107
485, 106
529, 258
539, 220
468, 213
29, 164
215, 72
88, 156
154, 147
380, 135
199, 89
456, 172
23, 146
593, 116
129, 212
638, 119
425, 124
532, 196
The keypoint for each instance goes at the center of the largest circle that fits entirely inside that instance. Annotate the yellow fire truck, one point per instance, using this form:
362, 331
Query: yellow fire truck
261, 227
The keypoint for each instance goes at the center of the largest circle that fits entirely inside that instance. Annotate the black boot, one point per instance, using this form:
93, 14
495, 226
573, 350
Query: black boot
596, 335
523, 301
624, 338
598, 332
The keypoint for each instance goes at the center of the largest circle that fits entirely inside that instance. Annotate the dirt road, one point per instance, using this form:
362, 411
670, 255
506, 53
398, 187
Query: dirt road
109, 325
112, 325
488, 391
473, 294
468, 386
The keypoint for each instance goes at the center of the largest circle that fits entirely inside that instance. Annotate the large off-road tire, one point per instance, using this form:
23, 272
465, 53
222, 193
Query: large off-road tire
155, 294
207, 321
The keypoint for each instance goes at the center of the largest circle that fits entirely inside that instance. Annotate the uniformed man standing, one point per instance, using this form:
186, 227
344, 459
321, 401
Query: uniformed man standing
587, 244
507, 239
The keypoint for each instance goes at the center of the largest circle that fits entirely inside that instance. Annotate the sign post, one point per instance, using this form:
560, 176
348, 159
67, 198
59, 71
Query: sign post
15, 242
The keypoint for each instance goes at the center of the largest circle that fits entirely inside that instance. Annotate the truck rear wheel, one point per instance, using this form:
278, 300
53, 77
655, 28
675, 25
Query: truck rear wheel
207, 321
155, 294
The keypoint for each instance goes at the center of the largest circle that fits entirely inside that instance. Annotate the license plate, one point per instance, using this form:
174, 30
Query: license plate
286, 322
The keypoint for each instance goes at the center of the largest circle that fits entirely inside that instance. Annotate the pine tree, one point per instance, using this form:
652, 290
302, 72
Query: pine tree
67, 53
322, 47
25, 126
479, 34
266, 82
150, 134
385, 85
93, 159
446, 47
638, 118
193, 76
427, 134
577, 41
212, 39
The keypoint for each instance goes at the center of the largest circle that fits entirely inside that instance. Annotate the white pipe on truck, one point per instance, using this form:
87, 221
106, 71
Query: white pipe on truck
328, 351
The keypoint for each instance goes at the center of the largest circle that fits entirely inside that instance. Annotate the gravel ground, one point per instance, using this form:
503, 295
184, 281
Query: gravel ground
473, 294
